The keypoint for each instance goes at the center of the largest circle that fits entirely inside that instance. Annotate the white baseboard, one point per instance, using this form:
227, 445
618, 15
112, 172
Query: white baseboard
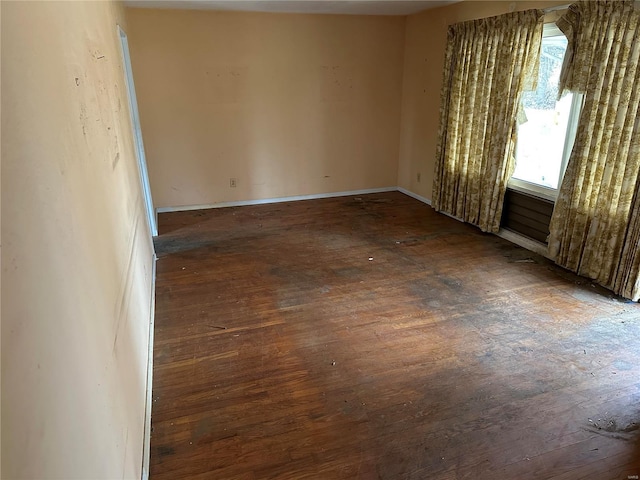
414, 195
524, 242
529, 244
513, 237
146, 448
294, 198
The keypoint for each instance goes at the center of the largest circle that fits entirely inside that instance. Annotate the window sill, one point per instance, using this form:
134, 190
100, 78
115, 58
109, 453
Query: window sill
533, 190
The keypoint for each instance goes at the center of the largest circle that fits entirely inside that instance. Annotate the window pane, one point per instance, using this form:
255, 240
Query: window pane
541, 139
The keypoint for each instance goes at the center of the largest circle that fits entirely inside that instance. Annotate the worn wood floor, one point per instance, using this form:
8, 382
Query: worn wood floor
371, 338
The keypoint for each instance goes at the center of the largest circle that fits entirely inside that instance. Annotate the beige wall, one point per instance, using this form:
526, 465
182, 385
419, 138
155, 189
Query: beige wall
288, 104
76, 255
426, 36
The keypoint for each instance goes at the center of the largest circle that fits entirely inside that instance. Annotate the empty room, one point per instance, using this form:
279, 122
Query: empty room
320, 239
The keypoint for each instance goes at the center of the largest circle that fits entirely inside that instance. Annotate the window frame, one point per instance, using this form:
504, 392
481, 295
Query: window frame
551, 30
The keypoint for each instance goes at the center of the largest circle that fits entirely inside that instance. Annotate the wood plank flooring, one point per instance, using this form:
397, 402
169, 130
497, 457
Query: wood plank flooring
369, 337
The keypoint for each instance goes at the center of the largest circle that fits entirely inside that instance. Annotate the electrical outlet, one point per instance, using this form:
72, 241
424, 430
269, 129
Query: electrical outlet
418, 175
233, 182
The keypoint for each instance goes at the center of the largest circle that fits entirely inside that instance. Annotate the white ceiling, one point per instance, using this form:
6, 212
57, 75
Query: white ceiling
348, 7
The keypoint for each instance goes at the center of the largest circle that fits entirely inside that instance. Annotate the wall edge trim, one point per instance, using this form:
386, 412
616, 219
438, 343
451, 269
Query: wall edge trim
146, 446
415, 195
524, 242
293, 198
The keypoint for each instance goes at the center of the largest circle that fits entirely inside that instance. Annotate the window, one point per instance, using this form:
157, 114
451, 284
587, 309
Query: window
546, 138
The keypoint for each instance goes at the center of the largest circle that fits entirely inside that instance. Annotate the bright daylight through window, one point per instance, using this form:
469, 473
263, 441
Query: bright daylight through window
546, 138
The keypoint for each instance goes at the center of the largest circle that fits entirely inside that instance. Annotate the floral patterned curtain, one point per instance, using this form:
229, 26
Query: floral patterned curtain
595, 227
488, 64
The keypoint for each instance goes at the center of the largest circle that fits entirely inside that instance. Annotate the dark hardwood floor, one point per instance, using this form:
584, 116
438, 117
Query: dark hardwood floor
369, 337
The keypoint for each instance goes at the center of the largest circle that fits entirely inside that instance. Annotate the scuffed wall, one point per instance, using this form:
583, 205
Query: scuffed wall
286, 104
76, 252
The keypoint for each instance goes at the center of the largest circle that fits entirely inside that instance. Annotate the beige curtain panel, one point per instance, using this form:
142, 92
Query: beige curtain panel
488, 64
595, 227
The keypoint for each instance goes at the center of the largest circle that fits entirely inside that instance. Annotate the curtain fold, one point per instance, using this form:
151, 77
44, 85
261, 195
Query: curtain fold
488, 64
595, 227
627, 282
